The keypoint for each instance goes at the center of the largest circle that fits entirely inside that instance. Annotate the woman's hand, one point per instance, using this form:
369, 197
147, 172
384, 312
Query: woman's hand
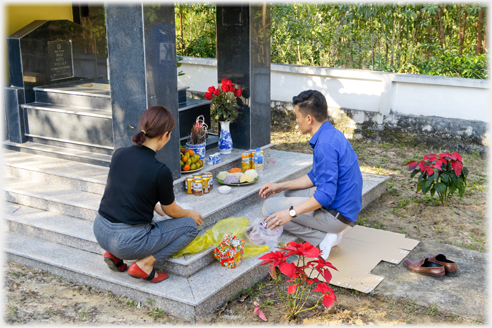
195, 216
270, 188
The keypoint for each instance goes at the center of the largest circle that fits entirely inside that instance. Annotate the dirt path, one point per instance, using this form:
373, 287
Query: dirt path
37, 297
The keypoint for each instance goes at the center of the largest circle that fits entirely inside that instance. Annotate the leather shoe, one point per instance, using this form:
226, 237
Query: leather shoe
135, 272
449, 266
425, 266
114, 263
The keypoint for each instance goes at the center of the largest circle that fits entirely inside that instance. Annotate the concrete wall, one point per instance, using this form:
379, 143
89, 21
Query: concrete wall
441, 110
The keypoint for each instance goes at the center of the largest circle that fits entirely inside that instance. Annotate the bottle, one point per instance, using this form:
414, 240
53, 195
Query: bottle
259, 165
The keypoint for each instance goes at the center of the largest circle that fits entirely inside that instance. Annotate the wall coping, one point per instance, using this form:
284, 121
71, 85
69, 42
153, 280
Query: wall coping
359, 74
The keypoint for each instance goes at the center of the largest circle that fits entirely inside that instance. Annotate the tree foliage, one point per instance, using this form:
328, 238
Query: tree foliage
446, 39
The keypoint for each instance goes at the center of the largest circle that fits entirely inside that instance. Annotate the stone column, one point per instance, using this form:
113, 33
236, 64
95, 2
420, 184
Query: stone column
142, 70
243, 56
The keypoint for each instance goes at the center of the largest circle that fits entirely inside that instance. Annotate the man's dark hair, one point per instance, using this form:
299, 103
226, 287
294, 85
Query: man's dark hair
312, 102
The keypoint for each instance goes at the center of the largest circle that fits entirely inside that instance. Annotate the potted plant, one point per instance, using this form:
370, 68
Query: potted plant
224, 109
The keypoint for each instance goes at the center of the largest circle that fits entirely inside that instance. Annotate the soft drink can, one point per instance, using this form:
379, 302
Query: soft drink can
189, 185
206, 185
211, 181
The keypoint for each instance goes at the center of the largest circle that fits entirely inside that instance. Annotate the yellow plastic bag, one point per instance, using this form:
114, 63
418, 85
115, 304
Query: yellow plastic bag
235, 226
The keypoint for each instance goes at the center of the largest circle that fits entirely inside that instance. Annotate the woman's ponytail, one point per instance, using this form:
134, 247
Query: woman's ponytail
154, 122
139, 138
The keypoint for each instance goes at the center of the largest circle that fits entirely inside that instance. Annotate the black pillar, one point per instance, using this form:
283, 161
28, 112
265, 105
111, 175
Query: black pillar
142, 69
243, 56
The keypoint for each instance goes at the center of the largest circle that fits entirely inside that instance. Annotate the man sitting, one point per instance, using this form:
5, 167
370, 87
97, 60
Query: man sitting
318, 206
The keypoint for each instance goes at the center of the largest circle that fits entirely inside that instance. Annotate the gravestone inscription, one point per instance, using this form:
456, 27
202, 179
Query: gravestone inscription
60, 59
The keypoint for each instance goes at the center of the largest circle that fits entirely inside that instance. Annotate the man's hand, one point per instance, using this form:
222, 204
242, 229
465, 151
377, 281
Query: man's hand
195, 216
270, 188
278, 219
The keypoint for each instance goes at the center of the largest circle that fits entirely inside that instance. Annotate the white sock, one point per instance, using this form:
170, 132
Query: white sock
330, 240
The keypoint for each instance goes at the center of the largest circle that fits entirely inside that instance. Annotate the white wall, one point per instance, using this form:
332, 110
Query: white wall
370, 91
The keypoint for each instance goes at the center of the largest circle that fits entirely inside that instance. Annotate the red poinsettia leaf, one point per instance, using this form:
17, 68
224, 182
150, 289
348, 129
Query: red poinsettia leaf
310, 282
262, 316
329, 299
457, 167
458, 157
412, 165
430, 157
429, 170
272, 272
327, 275
330, 265
287, 268
453, 157
438, 164
421, 165
444, 155
445, 161
309, 250
321, 287
291, 289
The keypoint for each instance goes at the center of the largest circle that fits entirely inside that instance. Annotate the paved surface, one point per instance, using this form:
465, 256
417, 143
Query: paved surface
465, 294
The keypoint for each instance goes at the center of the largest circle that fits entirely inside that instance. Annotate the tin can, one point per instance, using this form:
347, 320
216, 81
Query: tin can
206, 185
189, 185
198, 186
251, 158
245, 159
211, 181
196, 176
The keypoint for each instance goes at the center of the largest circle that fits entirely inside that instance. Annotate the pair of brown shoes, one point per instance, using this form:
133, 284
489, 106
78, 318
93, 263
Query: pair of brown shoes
433, 265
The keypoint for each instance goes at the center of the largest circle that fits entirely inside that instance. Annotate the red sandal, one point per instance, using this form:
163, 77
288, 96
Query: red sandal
135, 272
114, 263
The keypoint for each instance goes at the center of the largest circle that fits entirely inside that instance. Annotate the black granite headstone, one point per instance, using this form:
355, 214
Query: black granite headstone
243, 56
142, 70
47, 52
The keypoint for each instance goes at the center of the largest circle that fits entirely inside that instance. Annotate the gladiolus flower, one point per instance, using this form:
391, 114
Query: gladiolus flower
238, 92
208, 96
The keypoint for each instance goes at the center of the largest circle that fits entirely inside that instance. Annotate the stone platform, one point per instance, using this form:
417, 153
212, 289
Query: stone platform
51, 204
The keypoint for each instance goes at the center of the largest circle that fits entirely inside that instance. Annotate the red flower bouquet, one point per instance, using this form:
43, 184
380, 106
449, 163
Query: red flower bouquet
224, 101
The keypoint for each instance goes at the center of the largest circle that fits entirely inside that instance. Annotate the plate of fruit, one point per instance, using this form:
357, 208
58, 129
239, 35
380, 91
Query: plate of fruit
236, 177
190, 162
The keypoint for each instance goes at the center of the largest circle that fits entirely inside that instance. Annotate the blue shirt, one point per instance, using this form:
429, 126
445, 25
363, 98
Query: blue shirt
336, 173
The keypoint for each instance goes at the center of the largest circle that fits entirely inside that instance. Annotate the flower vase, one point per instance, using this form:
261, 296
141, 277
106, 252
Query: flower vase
198, 149
225, 141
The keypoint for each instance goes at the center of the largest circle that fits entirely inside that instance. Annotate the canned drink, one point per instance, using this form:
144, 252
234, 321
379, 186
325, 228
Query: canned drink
251, 158
206, 185
245, 165
198, 186
189, 185
197, 176
211, 181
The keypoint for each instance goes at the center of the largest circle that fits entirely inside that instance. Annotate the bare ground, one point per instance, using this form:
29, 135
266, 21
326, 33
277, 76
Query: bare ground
37, 297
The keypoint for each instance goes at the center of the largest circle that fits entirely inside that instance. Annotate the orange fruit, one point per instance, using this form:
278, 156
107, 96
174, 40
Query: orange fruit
191, 152
186, 167
184, 159
235, 170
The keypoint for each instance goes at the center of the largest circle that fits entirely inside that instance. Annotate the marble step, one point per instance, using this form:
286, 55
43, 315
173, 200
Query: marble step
186, 297
43, 148
75, 95
69, 231
213, 206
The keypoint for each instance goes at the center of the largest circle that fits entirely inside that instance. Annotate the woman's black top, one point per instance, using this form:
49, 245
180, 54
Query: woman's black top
136, 182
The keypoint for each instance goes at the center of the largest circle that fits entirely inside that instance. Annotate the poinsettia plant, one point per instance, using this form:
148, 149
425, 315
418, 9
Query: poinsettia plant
224, 101
304, 267
443, 174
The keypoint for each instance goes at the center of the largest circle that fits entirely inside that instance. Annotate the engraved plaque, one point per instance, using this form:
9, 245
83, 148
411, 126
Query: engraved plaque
60, 59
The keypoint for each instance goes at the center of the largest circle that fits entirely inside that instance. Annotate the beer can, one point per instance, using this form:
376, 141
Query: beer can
206, 185
211, 181
189, 185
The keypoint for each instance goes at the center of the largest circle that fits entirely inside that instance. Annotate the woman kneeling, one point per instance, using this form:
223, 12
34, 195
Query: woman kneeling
137, 183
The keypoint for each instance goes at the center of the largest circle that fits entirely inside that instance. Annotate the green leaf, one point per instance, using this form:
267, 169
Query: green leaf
414, 172
432, 191
440, 187
291, 259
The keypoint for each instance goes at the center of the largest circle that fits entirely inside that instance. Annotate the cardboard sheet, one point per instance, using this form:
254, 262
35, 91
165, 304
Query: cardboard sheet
360, 250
